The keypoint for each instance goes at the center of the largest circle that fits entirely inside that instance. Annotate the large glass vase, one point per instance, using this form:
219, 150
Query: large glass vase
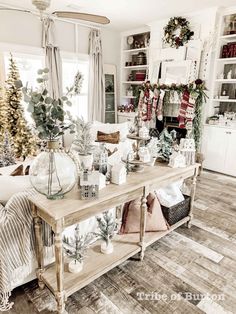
53, 173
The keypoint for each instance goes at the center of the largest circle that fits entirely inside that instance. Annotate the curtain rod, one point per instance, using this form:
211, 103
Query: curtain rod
5, 6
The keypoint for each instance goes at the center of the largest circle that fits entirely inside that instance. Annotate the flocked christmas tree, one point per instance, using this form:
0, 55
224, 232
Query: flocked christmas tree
7, 157
20, 134
165, 145
3, 118
6, 152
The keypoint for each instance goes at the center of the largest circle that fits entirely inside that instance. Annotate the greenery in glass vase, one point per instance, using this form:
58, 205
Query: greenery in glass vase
47, 113
83, 138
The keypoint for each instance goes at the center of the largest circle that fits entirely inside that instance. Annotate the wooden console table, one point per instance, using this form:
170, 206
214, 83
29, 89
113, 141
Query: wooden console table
60, 214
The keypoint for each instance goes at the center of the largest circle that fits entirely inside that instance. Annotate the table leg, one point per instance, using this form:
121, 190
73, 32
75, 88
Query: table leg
39, 246
60, 294
192, 195
143, 217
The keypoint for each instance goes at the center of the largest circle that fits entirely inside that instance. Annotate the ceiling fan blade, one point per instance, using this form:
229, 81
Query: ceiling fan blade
82, 16
11, 9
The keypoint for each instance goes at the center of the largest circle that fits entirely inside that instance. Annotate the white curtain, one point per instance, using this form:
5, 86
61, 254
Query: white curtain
52, 59
96, 78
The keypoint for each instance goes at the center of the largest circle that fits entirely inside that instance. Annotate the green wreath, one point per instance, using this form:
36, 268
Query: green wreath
185, 34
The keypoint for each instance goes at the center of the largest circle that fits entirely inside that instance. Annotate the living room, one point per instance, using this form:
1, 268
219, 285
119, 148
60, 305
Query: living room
117, 156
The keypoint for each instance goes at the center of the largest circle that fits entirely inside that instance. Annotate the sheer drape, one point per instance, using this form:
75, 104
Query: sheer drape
96, 78
52, 59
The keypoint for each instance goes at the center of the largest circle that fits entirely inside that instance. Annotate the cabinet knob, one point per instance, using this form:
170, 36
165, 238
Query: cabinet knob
228, 132
128, 119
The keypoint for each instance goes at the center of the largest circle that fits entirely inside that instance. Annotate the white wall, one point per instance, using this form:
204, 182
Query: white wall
25, 29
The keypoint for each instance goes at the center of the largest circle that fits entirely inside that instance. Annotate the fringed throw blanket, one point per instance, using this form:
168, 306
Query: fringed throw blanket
17, 244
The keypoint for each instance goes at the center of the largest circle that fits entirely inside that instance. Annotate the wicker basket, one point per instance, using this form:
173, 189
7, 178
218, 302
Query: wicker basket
177, 212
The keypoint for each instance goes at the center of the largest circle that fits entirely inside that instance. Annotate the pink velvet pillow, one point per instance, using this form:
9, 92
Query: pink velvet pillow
131, 216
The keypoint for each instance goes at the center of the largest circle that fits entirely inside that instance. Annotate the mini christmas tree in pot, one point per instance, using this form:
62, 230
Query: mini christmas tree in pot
107, 230
76, 249
83, 142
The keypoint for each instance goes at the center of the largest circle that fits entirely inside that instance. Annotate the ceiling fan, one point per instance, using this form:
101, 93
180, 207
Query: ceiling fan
43, 5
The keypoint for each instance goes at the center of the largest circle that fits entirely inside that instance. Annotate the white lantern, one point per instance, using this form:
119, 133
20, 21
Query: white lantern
187, 149
144, 154
177, 160
143, 132
118, 174
187, 143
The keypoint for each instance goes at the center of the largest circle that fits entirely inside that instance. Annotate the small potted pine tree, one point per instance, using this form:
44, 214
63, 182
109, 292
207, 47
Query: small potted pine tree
76, 249
107, 230
83, 142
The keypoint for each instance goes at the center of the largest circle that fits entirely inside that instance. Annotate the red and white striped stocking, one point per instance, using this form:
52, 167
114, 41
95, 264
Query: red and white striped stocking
190, 111
183, 108
160, 106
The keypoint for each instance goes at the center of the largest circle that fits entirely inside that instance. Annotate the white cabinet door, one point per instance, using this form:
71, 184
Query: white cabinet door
214, 148
230, 161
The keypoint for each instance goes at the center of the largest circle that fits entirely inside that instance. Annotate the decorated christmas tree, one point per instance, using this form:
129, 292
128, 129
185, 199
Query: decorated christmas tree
20, 134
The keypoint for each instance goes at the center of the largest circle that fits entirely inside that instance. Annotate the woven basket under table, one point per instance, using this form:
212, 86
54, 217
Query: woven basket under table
177, 212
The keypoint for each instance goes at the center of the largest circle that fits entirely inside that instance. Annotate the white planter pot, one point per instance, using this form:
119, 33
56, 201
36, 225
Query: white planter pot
106, 248
87, 161
75, 266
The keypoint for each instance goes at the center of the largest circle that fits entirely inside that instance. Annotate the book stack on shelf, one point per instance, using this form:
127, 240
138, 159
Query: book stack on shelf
229, 50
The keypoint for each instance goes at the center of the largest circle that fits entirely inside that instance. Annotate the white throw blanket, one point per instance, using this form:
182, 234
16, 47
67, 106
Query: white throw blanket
17, 244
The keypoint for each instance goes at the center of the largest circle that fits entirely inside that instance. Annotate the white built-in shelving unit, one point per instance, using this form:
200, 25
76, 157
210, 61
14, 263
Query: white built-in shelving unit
222, 66
127, 53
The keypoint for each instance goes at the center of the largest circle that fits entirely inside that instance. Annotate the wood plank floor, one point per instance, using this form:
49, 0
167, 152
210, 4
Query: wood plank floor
188, 271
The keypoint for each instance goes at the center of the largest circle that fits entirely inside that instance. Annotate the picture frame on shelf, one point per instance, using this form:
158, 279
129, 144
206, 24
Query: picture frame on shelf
176, 72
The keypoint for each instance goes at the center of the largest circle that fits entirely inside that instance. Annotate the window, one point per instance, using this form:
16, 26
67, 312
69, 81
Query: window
70, 67
29, 63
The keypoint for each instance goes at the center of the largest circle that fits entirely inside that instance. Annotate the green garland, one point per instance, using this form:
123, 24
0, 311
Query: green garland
197, 87
170, 36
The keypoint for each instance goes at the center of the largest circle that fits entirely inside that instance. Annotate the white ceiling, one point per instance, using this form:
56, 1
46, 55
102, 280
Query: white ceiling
128, 14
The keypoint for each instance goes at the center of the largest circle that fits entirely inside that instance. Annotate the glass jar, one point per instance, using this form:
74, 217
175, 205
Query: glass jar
53, 173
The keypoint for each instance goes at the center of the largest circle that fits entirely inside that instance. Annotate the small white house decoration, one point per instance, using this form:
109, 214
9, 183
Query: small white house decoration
177, 160
187, 149
143, 132
118, 174
100, 157
90, 184
144, 154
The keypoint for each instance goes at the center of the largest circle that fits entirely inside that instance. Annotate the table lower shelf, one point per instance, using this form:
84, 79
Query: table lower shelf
97, 264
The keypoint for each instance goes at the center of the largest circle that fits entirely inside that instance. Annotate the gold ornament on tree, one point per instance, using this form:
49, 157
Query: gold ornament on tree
23, 140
